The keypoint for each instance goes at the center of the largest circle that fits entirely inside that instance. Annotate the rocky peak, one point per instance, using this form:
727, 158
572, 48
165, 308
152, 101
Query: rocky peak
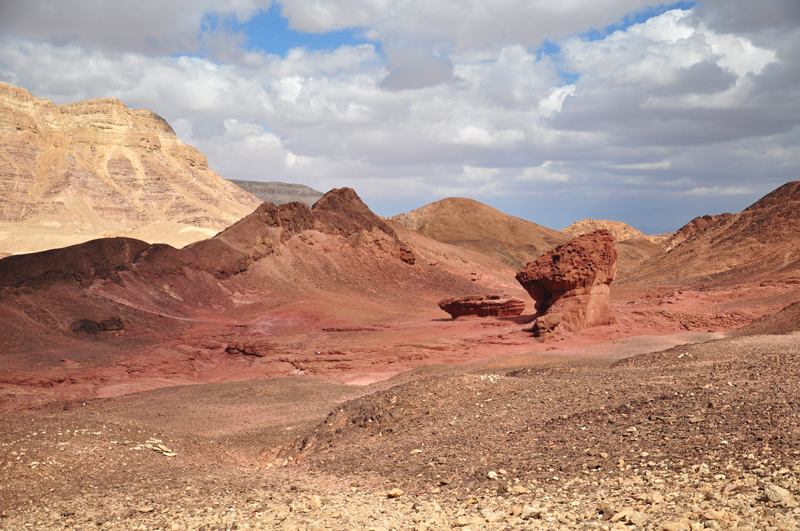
101, 167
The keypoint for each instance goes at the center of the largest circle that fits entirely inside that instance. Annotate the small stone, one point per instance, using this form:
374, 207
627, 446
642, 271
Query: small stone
415, 451
530, 512
621, 514
170, 454
637, 518
674, 526
394, 493
147, 509
716, 515
492, 474
315, 502
607, 509
775, 494
655, 497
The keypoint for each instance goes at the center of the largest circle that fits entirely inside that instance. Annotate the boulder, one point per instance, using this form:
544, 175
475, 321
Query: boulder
570, 284
483, 306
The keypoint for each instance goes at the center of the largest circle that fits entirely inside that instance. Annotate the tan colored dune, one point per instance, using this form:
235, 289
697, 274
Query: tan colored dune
473, 225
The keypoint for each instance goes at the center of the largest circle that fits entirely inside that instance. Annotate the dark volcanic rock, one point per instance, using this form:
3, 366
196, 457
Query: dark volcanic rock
82, 263
88, 326
573, 281
488, 306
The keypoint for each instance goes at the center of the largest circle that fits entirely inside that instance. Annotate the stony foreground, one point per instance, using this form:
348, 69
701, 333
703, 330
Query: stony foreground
696, 437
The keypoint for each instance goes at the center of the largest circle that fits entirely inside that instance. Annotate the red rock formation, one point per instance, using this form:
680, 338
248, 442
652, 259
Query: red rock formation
488, 306
572, 281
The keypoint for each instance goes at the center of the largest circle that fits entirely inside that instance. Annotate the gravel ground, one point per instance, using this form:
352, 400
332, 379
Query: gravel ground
699, 436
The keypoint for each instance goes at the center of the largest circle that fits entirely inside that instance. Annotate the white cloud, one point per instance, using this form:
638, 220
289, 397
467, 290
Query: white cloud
461, 25
543, 173
452, 98
147, 26
661, 165
719, 190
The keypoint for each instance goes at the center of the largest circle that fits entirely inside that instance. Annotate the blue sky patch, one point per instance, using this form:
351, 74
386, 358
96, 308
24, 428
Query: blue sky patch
636, 18
268, 31
554, 51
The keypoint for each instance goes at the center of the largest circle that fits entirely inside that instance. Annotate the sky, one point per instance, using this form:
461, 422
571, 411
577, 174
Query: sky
630, 110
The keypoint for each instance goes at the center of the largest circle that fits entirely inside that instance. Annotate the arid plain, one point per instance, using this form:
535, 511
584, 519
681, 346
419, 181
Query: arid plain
295, 372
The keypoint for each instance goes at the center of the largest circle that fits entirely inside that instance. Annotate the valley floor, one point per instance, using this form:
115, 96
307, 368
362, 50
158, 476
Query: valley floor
676, 432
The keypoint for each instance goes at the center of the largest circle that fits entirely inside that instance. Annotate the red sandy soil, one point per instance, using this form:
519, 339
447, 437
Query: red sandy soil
330, 297
323, 299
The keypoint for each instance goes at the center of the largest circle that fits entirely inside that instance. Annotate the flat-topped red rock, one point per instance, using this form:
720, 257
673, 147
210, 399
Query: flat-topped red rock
483, 306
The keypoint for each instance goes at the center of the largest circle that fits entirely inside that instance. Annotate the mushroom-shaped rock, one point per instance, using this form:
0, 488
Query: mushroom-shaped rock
572, 283
483, 306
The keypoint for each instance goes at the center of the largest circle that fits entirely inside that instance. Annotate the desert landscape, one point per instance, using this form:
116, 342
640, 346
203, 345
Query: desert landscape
177, 354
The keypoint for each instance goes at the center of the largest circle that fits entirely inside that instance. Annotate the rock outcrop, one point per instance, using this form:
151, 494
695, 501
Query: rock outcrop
98, 168
570, 284
483, 306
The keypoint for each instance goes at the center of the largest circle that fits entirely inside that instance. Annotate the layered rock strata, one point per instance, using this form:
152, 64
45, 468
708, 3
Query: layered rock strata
97, 166
570, 284
483, 306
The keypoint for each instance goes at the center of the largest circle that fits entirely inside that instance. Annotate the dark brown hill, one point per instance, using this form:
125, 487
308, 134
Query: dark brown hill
761, 240
785, 321
478, 227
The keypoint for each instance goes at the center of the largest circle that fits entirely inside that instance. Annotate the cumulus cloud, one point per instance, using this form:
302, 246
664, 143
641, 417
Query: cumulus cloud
450, 98
145, 26
462, 25
543, 173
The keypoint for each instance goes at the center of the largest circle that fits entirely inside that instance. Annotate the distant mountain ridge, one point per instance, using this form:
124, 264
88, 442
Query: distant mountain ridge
759, 241
280, 193
92, 168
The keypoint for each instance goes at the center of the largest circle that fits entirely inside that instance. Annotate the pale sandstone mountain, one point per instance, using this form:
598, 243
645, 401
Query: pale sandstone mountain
620, 231
71, 173
473, 225
633, 246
